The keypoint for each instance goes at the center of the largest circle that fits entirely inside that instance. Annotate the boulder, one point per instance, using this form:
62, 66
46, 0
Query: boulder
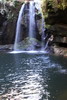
29, 44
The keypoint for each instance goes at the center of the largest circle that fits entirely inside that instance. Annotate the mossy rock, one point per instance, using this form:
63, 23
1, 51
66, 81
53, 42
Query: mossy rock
28, 44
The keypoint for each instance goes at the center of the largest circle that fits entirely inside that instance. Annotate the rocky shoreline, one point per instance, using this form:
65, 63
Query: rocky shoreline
54, 50
59, 51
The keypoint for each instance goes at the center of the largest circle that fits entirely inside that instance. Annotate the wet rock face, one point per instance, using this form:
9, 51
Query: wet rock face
8, 20
59, 33
57, 18
38, 23
3, 26
28, 43
25, 22
2, 19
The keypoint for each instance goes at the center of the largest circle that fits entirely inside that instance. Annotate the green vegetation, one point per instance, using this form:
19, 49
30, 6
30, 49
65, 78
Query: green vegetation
55, 10
61, 4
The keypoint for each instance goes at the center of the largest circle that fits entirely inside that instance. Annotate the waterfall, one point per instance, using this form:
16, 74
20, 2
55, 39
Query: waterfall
18, 28
32, 21
43, 34
32, 24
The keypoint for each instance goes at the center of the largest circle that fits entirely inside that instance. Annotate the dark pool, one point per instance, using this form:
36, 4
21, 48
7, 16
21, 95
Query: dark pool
33, 77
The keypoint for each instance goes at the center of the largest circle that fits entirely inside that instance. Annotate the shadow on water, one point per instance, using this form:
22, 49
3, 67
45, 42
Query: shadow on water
32, 76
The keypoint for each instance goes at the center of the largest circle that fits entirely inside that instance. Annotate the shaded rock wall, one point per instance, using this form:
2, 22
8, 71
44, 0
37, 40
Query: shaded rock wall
57, 19
59, 33
8, 20
58, 16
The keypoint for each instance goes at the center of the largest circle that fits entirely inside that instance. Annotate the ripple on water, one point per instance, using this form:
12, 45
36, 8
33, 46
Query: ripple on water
31, 77
29, 88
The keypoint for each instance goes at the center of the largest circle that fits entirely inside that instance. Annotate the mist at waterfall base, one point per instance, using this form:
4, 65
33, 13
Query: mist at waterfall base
31, 34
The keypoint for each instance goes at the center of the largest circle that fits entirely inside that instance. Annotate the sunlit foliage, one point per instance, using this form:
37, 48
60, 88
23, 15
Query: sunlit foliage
61, 4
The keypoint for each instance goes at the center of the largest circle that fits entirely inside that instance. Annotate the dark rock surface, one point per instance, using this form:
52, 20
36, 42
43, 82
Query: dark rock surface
8, 22
59, 33
56, 16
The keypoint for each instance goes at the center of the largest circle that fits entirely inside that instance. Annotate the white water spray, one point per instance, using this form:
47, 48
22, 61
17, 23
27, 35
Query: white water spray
18, 29
32, 22
43, 33
31, 19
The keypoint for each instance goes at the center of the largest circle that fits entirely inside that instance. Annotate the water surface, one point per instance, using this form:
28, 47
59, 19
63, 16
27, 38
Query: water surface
32, 77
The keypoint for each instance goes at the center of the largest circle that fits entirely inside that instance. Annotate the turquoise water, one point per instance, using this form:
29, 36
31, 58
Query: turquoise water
33, 77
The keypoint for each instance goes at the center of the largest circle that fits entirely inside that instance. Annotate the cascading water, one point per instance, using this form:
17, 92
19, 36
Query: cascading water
32, 24
18, 29
43, 34
31, 20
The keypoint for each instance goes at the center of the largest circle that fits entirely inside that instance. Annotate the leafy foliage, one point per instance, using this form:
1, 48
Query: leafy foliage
61, 4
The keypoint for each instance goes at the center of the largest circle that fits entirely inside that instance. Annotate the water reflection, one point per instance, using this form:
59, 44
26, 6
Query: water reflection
25, 80
32, 77
28, 88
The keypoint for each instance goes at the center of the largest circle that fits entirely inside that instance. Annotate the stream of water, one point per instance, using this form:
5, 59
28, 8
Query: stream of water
18, 28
